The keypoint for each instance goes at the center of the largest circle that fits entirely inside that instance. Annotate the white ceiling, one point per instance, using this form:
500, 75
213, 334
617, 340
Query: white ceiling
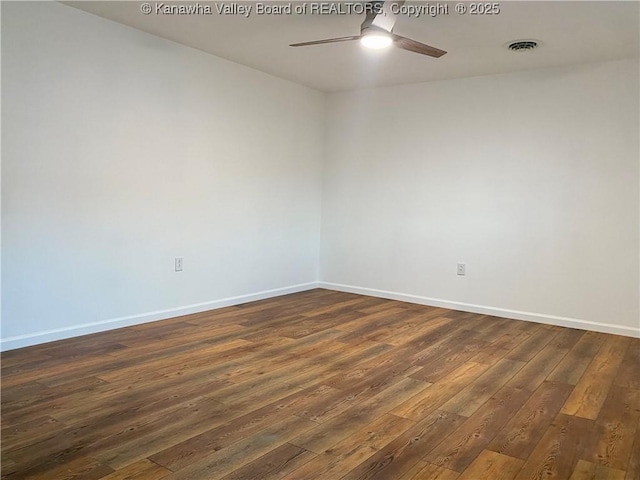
570, 32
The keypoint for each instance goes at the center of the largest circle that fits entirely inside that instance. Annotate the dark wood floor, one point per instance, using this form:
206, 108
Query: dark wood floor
325, 385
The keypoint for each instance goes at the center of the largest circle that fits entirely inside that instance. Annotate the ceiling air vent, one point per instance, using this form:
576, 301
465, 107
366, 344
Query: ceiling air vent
522, 45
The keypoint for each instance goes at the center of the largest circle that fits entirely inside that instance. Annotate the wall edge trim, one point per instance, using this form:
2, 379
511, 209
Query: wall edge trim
45, 336
487, 310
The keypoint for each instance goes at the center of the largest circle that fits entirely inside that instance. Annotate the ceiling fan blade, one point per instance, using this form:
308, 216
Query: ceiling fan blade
373, 9
417, 47
329, 40
384, 18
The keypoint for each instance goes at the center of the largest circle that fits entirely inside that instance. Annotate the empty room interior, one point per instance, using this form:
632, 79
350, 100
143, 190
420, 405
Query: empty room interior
320, 240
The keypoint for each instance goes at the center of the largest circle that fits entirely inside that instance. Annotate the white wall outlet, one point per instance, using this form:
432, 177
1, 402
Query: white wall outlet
462, 269
178, 264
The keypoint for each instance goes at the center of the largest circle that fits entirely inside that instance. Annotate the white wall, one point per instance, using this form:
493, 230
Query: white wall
532, 179
122, 151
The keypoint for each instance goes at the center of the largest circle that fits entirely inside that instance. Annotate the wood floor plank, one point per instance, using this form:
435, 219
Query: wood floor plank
325, 435
435, 396
428, 471
612, 439
345, 455
633, 468
148, 397
460, 448
195, 417
573, 365
123, 442
23, 395
288, 380
372, 367
489, 328
531, 346
590, 471
557, 454
60, 399
501, 347
471, 398
450, 358
324, 385
238, 454
415, 326
531, 376
303, 358
32, 400
295, 370
63, 468
442, 342
522, 433
198, 336
435, 337
82, 468
567, 338
52, 368
142, 470
27, 433
492, 466
388, 324
592, 389
331, 406
628, 375
195, 448
17, 357
162, 364
127, 367
274, 465
400, 455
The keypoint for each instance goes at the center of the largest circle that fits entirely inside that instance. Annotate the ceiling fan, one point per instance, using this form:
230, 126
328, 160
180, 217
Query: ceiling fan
377, 31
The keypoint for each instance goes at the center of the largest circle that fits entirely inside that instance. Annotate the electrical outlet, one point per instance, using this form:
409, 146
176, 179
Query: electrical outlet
178, 264
462, 269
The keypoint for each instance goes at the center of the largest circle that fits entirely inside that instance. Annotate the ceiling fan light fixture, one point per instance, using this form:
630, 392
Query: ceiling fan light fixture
376, 31
376, 40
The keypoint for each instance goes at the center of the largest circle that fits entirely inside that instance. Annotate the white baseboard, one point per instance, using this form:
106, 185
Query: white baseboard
20, 341
498, 312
